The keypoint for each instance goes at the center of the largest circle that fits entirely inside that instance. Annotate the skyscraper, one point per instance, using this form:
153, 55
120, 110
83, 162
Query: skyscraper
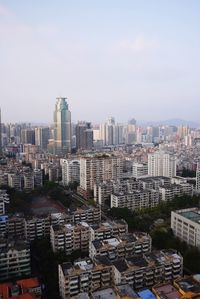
62, 127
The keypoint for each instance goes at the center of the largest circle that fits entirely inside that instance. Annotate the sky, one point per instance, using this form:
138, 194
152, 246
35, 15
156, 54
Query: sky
130, 58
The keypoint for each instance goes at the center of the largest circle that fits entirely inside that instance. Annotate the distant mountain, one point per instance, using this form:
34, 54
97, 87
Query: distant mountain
170, 122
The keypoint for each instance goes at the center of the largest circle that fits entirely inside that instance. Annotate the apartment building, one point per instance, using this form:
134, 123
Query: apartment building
121, 247
70, 171
185, 224
161, 164
98, 168
4, 200
86, 214
70, 237
149, 269
14, 258
106, 230
139, 169
103, 190
135, 200
83, 276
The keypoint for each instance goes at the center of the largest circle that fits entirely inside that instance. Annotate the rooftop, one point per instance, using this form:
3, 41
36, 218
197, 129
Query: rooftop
104, 294
125, 290
167, 291
192, 214
146, 294
188, 285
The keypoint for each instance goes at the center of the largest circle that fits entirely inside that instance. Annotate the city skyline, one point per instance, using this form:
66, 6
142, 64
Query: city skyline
133, 59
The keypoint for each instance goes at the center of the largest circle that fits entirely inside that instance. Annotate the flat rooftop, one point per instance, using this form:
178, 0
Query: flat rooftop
189, 285
167, 291
104, 294
125, 290
146, 294
193, 215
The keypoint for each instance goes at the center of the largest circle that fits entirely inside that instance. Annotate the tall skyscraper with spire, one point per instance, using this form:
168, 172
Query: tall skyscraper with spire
62, 127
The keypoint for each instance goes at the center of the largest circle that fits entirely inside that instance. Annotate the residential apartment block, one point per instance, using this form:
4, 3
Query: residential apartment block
14, 259
83, 276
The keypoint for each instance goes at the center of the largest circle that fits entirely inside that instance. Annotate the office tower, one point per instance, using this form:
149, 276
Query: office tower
0, 135
84, 136
161, 164
62, 127
28, 136
42, 136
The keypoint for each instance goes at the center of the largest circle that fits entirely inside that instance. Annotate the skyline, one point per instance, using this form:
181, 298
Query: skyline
136, 59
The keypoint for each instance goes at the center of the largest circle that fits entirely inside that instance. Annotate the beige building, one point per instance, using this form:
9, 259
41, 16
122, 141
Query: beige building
68, 237
121, 247
149, 269
106, 230
15, 259
83, 276
186, 225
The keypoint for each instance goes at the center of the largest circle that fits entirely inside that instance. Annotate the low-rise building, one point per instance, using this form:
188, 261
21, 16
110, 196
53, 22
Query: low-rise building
135, 200
166, 291
29, 288
83, 276
185, 224
14, 259
108, 229
70, 237
188, 286
121, 247
149, 269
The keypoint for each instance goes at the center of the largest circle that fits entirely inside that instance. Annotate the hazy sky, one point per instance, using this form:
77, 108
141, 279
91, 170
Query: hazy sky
126, 58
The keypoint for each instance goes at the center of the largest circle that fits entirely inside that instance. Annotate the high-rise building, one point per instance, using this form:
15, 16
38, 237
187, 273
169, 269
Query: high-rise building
28, 136
161, 164
198, 177
42, 136
70, 171
62, 127
84, 136
98, 168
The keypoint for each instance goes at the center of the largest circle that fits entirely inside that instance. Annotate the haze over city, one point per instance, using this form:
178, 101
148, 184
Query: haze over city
122, 58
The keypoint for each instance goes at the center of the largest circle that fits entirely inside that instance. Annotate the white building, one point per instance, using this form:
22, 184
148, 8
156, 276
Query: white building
186, 225
135, 200
70, 171
139, 169
161, 164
